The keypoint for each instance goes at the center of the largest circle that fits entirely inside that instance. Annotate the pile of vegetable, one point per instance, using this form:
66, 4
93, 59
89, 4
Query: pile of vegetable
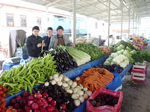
64, 60
105, 50
2, 104
95, 78
90, 49
104, 99
122, 45
3, 91
114, 67
79, 56
77, 93
145, 55
118, 59
24, 77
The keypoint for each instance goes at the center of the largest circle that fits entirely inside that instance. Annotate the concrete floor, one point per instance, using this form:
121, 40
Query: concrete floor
136, 94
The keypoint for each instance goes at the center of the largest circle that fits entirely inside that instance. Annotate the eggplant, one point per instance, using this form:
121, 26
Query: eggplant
60, 69
114, 65
100, 66
66, 67
75, 64
62, 65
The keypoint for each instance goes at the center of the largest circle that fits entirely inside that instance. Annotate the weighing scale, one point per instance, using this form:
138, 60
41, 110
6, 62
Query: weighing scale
14, 60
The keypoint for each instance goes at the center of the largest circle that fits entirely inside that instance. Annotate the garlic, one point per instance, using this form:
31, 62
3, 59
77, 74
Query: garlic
65, 85
80, 93
70, 82
81, 99
66, 79
69, 91
85, 96
60, 77
77, 103
75, 90
46, 84
56, 79
85, 89
74, 84
75, 96
89, 93
78, 78
51, 77
56, 75
59, 83
53, 82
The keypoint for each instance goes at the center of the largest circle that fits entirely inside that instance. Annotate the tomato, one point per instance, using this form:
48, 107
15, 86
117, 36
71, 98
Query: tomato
1, 109
3, 105
3, 95
2, 99
14, 110
1, 92
9, 107
1, 87
4, 89
9, 110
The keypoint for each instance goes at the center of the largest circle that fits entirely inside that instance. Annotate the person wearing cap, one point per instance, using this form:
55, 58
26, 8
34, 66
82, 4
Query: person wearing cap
34, 43
47, 38
60, 39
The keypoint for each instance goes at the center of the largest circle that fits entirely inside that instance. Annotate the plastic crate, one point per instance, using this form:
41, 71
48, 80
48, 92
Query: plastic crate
22, 50
138, 77
8, 66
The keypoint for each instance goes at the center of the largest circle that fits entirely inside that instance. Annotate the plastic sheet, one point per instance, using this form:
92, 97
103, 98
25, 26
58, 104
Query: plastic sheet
106, 108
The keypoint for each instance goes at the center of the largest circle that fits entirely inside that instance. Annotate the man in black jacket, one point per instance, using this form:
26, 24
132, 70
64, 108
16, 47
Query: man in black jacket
47, 39
34, 43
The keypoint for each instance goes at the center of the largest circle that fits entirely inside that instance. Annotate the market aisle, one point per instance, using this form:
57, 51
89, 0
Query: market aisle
136, 94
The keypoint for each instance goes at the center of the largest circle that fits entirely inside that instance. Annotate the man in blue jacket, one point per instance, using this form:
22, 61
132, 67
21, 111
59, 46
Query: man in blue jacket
60, 39
47, 38
34, 43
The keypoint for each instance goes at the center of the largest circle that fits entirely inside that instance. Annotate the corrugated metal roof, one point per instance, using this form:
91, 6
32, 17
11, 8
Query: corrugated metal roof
98, 9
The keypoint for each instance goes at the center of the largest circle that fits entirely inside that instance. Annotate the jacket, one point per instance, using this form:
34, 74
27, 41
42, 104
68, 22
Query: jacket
16, 39
31, 44
54, 41
47, 41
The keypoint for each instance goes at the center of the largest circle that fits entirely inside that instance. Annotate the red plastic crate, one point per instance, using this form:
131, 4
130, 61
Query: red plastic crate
138, 78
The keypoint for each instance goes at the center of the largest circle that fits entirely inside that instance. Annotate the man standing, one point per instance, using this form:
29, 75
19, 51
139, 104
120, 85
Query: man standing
47, 38
34, 43
60, 39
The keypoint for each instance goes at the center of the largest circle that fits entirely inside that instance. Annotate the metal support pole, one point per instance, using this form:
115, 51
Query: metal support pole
121, 6
129, 23
108, 20
133, 26
74, 22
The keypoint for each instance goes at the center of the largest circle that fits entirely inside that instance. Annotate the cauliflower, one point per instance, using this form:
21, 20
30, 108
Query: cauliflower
113, 55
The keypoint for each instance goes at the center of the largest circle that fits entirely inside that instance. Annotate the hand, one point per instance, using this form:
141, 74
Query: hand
73, 45
39, 45
43, 44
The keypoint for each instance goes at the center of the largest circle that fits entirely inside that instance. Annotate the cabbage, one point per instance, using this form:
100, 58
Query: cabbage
113, 55
129, 49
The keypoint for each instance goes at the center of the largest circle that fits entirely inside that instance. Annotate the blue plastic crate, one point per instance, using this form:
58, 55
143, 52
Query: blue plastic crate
8, 66
21, 50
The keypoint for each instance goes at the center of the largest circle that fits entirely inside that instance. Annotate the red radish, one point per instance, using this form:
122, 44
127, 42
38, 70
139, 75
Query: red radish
33, 91
45, 105
25, 94
35, 100
13, 101
45, 95
28, 109
16, 105
26, 106
56, 110
31, 97
40, 91
50, 108
18, 98
40, 103
25, 101
49, 99
37, 95
62, 111
53, 103
44, 100
35, 106
19, 110
30, 103
36, 110
63, 107
21, 102
43, 109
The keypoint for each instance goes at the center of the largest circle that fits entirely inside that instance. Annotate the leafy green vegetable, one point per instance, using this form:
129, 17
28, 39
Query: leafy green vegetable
145, 55
90, 49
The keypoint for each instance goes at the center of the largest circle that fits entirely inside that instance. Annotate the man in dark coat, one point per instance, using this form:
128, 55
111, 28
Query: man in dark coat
47, 39
34, 43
